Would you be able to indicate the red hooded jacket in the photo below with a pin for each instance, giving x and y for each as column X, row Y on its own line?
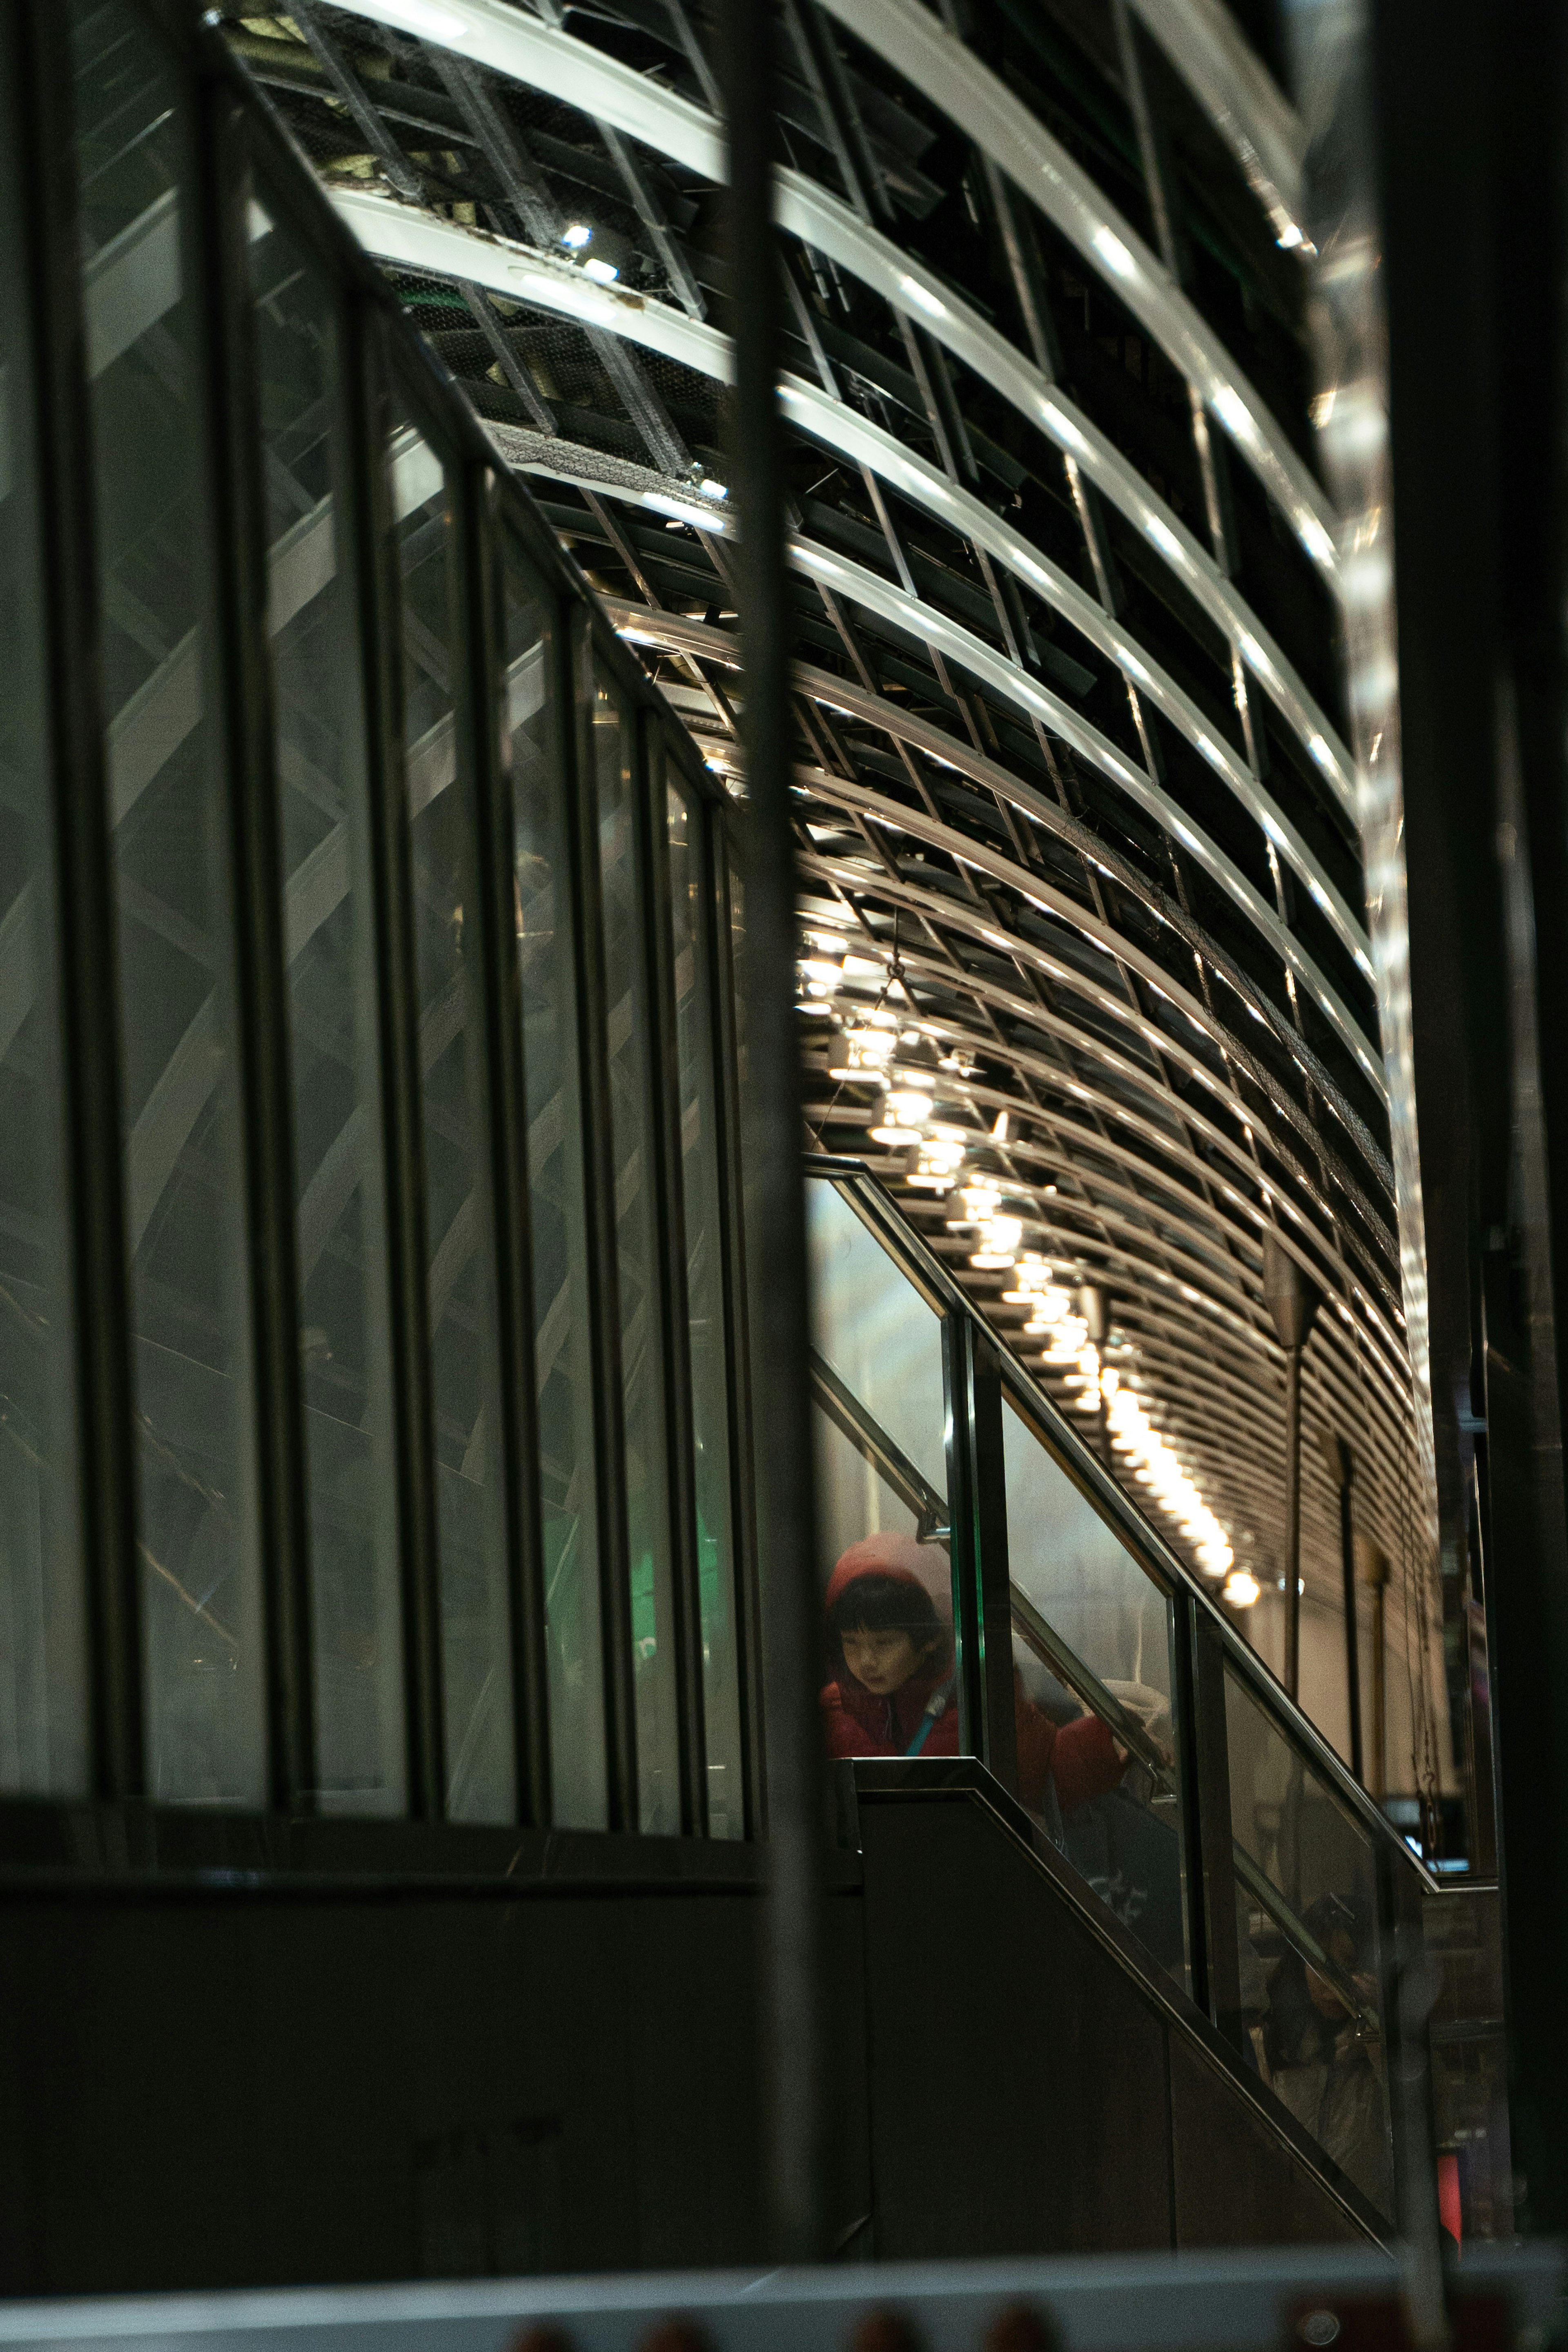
column 1079, row 1756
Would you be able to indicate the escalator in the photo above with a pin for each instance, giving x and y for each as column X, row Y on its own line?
column 1180, row 1971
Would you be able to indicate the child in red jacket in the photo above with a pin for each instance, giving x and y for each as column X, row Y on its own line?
column 893, row 1695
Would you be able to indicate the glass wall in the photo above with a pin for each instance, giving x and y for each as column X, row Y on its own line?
column 335, row 1064
column 164, row 688
column 562, row 1333
column 1309, row 1946
column 461, row 1305
column 888, row 1638
column 625, row 888
column 1092, row 1650
column 43, row 1662
column 316, row 639
column 702, row 1169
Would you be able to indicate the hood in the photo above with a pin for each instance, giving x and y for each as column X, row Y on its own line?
column 894, row 1556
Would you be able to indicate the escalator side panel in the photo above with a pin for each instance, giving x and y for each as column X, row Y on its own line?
column 1034, row 2088
column 1019, row 2099
column 1234, row 2184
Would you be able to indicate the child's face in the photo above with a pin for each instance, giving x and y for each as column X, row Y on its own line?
column 884, row 1662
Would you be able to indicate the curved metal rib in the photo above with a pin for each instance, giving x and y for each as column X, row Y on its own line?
column 822, row 221
column 936, row 63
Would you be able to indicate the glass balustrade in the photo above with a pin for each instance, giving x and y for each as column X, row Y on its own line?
column 1092, row 1639
column 1103, row 1628
column 889, row 1642
column 1309, row 1946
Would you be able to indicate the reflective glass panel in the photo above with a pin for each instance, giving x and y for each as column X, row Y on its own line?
column 1309, row 1948
column 313, row 623
column 1091, row 1651
column 692, row 940
column 475, row 1637
column 880, row 1422
column 627, row 1010
column 185, row 1188
column 563, row 1344
column 43, row 1688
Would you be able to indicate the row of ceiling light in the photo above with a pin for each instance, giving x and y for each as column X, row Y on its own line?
column 865, row 1051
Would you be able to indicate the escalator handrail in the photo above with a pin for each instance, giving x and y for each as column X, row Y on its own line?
column 1085, row 1685
column 1291, row 1925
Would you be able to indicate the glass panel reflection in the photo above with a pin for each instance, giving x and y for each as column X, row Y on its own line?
column 329, row 940
column 43, row 1687
column 627, row 1013
column 564, row 1360
column 465, row 1347
column 1092, row 1646
column 185, row 1188
column 692, row 945
column 1311, row 1959
column 879, row 1424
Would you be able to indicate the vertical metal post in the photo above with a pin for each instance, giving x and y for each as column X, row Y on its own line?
column 674, row 1308
column 603, row 1277
column 1207, row 1775
column 797, row 1776
column 1194, row 1908
column 1342, row 1470
column 1094, row 1306
column 977, row 1513
column 1374, row 1575
column 1293, row 1304
column 994, row 1577
column 729, row 1073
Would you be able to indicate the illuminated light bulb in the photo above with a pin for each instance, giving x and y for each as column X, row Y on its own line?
column 905, row 1108
column 1241, row 1590
column 863, row 1054
column 603, row 273
column 575, row 237
column 895, row 1138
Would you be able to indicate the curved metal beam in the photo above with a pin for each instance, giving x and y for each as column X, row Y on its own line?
column 951, row 640
column 842, row 428
column 676, row 632
column 541, row 57
column 948, row 913
column 959, row 644
column 948, row 75
column 671, row 125
column 1241, row 99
